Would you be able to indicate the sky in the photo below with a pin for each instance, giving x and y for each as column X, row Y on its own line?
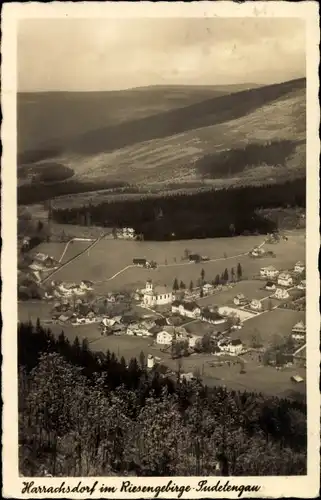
column 111, row 54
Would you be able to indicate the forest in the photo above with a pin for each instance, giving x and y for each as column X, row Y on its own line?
column 90, row 414
column 221, row 213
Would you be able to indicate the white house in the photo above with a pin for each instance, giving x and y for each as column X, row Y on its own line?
column 269, row 272
column 233, row 347
column 207, row 288
column 240, row 299
column 157, row 295
column 270, row 285
column 299, row 328
column 281, row 294
column 285, row 279
column 256, row 305
column 299, row 267
column 165, row 337
column 188, row 309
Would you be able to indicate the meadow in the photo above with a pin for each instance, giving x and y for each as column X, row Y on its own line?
column 270, row 325
column 109, row 257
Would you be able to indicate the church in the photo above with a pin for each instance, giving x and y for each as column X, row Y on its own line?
column 157, row 295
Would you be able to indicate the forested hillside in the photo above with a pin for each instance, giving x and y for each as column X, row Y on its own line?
column 88, row 414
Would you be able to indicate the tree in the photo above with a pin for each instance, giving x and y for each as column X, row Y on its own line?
column 206, row 343
column 186, row 253
column 232, row 229
column 39, row 226
column 239, row 271
column 222, row 279
column 191, row 286
column 226, row 275
column 270, row 305
column 202, row 275
column 225, row 255
column 179, row 348
column 175, row 285
column 201, row 293
column 142, row 360
column 182, row 285
column 256, row 339
column 217, row 280
column 232, row 274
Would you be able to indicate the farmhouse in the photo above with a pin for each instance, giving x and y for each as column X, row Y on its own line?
column 269, row 272
column 270, row 285
column 165, row 337
column 189, row 309
column 207, row 288
column 299, row 267
column 240, row 300
column 281, row 294
column 193, row 340
column 256, row 305
column 233, row 347
column 212, row 317
column 297, row 379
column 188, row 377
column 156, row 296
column 140, row 262
column 285, row 279
column 299, row 331
column 194, row 257
column 127, row 233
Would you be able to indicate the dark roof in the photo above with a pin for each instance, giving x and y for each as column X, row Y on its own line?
column 211, row 315
column 176, row 303
column 269, row 283
column 236, row 342
column 193, row 256
column 190, row 306
column 160, row 321
column 138, row 261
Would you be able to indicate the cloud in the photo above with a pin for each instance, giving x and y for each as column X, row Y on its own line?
column 77, row 54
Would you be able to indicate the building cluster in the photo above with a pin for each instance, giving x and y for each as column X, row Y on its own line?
column 281, row 282
column 43, row 262
column 125, row 233
column 62, row 289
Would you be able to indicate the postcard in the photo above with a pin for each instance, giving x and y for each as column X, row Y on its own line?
column 160, row 230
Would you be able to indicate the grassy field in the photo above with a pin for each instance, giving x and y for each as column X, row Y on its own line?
column 111, row 256
column 270, row 324
column 252, row 289
column 161, row 140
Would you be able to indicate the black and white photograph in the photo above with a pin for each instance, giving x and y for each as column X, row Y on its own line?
column 162, row 249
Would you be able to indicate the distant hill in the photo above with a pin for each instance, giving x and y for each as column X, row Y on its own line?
column 236, row 138
column 46, row 116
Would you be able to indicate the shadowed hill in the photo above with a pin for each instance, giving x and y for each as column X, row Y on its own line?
column 55, row 116
column 201, row 114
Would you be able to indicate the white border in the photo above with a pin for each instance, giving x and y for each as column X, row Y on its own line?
column 276, row 487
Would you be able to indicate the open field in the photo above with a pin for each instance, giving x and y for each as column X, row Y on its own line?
column 109, row 257
column 56, row 250
column 269, row 324
column 252, row 289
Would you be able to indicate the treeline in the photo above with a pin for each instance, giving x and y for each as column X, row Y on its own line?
column 201, row 215
column 85, row 414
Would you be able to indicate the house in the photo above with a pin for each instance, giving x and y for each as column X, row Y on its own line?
column 188, row 377
column 240, row 300
column 297, row 379
column 157, row 295
column 299, row 331
column 302, row 285
column 269, row 272
column 165, row 337
column 188, row 309
column 193, row 340
column 270, row 285
column 212, row 317
column 194, row 257
column 86, row 285
column 285, row 279
column 257, row 252
column 140, row 262
column 256, row 305
column 233, row 347
column 208, row 288
column 281, row 294
column 299, row 267
column 150, row 361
